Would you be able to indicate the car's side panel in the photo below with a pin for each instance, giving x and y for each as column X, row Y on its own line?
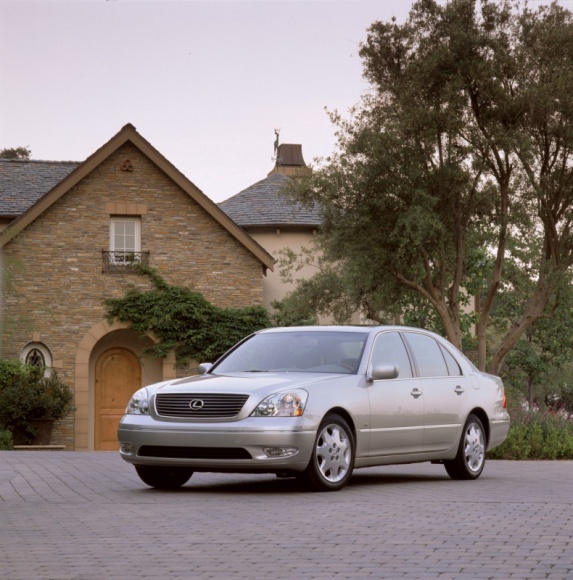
column 351, row 395
column 397, row 417
column 486, row 392
column 444, row 411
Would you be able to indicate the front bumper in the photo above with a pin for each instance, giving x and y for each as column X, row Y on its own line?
column 138, row 433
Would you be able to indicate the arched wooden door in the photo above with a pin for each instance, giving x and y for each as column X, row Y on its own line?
column 117, row 377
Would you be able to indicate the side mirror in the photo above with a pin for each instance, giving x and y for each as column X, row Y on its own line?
column 384, row 371
column 204, row 368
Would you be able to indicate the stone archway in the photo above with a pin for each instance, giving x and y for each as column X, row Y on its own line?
column 88, row 351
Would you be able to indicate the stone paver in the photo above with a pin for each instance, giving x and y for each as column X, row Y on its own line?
column 86, row 516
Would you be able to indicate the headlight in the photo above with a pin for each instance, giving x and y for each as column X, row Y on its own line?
column 138, row 404
column 286, row 404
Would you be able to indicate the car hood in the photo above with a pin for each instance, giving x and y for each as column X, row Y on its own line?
column 263, row 383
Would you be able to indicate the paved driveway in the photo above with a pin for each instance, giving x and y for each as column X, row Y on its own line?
column 66, row 515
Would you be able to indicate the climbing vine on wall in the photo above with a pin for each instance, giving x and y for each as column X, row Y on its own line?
column 183, row 320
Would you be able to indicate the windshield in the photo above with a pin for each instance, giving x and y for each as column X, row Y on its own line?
column 313, row 352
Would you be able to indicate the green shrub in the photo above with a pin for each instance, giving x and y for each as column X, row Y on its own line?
column 26, row 394
column 537, row 435
column 6, row 441
column 10, row 372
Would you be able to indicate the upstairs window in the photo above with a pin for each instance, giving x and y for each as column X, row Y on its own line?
column 125, row 240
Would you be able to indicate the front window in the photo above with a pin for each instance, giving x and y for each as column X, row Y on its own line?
column 389, row 349
column 296, row 351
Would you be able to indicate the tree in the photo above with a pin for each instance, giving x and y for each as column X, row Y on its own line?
column 15, row 153
column 539, row 367
column 456, row 166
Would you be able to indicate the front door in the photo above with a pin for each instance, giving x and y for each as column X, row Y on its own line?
column 397, row 405
column 117, row 377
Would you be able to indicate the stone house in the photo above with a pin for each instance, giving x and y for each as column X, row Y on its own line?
column 68, row 232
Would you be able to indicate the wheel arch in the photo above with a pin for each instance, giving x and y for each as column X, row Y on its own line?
column 482, row 416
column 340, row 411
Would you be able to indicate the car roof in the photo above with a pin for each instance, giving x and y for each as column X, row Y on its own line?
column 340, row 328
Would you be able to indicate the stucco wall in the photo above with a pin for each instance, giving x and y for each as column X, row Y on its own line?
column 274, row 241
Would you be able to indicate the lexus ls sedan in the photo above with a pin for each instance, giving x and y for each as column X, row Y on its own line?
column 316, row 403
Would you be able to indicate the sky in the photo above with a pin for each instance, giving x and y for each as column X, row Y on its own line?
column 206, row 82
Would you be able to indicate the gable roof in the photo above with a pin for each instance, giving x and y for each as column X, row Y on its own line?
column 129, row 134
column 264, row 205
column 24, row 181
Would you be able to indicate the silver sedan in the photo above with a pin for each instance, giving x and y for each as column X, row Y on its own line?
column 316, row 403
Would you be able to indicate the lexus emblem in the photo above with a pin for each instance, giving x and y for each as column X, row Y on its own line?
column 196, row 404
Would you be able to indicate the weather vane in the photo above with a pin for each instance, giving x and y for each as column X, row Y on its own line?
column 275, row 158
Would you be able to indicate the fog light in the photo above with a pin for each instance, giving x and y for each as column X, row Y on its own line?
column 125, row 448
column 280, row 451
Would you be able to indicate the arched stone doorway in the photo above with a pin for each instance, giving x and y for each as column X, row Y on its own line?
column 117, row 377
column 100, row 339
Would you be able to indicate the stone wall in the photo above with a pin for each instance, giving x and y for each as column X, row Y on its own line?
column 54, row 287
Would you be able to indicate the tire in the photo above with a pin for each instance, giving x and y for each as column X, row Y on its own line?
column 163, row 477
column 332, row 459
column 470, row 459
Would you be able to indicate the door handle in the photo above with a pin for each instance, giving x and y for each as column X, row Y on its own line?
column 416, row 393
column 459, row 390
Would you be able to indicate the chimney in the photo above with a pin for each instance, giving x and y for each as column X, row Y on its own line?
column 289, row 160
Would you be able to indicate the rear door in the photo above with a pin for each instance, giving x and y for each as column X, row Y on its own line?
column 444, row 391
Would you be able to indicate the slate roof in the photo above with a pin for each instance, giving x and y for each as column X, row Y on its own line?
column 24, row 181
column 263, row 205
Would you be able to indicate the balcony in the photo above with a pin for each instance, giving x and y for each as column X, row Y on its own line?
column 123, row 261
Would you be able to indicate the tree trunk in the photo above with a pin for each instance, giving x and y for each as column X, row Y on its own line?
column 533, row 311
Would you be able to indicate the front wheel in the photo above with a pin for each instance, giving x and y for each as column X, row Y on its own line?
column 470, row 460
column 162, row 477
column 332, row 460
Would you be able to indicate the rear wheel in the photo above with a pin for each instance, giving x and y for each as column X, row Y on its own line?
column 332, row 460
column 163, row 477
column 470, row 460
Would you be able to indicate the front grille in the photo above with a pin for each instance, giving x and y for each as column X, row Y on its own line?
column 199, row 405
column 193, row 452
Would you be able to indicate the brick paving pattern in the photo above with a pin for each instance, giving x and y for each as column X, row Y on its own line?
column 86, row 516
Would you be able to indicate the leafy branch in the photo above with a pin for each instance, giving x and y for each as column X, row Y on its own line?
column 183, row 320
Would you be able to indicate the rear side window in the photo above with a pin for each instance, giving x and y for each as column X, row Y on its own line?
column 389, row 348
column 453, row 366
column 428, row 355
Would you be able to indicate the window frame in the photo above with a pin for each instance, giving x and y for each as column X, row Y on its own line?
column 44, row 351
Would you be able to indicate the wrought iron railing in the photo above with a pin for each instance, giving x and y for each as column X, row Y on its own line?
column 123, row 261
